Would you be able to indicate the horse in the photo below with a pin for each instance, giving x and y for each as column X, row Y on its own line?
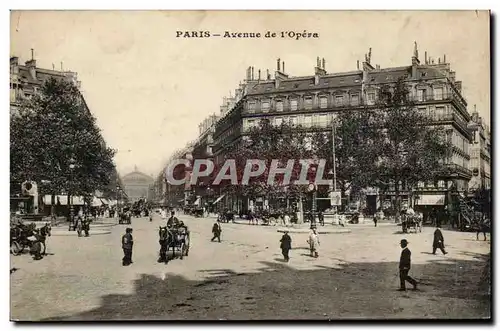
column 482, row 226
column 166, row 239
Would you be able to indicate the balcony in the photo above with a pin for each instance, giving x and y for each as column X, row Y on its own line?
column 458, row 170
column 447, row 96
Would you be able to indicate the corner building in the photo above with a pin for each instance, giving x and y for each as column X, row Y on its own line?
column 313, row 101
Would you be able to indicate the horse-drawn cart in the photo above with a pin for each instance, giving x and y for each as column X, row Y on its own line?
column 175, row 238
column 412, row 223
column 28, row 236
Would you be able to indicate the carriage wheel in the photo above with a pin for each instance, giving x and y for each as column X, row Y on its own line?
column 16, row 248
column 181, row 250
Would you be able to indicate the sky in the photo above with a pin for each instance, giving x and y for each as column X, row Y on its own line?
column 149, row 90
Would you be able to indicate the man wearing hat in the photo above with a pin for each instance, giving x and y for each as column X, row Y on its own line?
column 127, row 244
column 404, row 267
column 286, row 245
column 313, row 242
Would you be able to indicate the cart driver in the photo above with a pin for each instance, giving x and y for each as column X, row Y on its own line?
column 172, row 221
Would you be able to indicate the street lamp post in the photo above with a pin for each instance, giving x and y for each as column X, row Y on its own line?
column 70, row 205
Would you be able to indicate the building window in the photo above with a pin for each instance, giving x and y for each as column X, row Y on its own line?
column 251, row 123
column 293, row 120
column 355, row 99
column 339, row 100
column 440, row 113
column 323, row 102
column 265, row 105
column 278, row 121
column 421, row 95
column 323, row 119
column 308, row 102
column 293, row 104
column 279, row 105
column 371, row 98
column 308, row 121
column 438, row 93
column 251, row 106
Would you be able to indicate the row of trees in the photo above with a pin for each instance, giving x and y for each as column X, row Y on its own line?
column 391, row 144
column 55, row 141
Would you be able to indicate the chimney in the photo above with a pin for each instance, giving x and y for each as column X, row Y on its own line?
column 378, row 66
column 414, row 59
column 268, row 74
column 319, row 70
column 252, row 74
column 444, row 58
column 31, row 64
column 439, row 60
column 323, row 63
column 14, row 61
column 357, row 64
column 278, row 61
column 259, row 74
column 53, row 67
column 283, row 66
column 425, row 58
column 249, row 74
column 62, row 66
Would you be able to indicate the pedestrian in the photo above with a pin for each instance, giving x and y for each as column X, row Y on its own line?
column 127, row 244
column 321, row 218
column 404, row 267
column 216, row 230
column 438, row 241
column 313, row 242
column 150, row 213
column 286, row 219
column 286, row 246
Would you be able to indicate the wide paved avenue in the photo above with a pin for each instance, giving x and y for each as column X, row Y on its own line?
column 244, row 276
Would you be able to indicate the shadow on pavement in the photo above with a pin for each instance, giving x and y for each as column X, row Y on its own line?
column 451, row 289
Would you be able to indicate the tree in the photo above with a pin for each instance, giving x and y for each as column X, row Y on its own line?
column 355, row 149
column 411, row 147
column 269, row 142
column 53, row 130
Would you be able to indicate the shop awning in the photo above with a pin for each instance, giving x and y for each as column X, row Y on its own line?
column 431, row 200
column 219, row 199
column 96, row 202
column 63, row 200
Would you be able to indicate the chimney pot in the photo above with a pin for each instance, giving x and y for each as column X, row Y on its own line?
column 425, row 58
column 323, row 63
column 444, row 58
column 357, row 64
column 259, row 74
column 283, row 66
column 278, row 64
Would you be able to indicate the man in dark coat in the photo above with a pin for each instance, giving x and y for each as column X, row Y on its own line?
column 404, row 267
column 438, row 241
column 127, row 244
column 286, row 245
column 172, row 221
column 216, row 230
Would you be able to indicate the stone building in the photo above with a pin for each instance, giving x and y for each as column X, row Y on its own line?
column 312, row 101
column 26, row 80
column 137, row 185
column 480, row 153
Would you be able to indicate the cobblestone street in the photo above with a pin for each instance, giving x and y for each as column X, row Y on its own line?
column 244, row 277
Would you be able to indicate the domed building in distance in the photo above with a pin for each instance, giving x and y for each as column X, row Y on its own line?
column 137, row 185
